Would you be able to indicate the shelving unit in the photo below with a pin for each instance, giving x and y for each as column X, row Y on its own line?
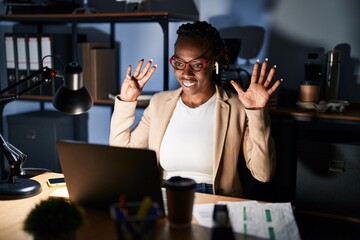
column 39, row 20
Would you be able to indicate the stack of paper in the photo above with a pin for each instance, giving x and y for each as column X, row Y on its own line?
column 251, row 218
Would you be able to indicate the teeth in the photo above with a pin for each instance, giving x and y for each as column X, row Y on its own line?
column 188, row 84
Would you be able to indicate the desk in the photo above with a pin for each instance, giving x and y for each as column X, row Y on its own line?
column 318, row 159
column 99, row 224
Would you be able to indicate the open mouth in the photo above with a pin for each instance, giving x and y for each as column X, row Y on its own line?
column 188, row 83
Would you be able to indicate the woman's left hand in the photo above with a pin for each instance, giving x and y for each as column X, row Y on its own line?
column 260, row 90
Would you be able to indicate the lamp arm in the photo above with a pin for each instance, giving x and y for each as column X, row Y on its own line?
column 14, row 156
column 48, row 75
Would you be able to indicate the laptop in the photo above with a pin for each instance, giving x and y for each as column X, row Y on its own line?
column 96, row 175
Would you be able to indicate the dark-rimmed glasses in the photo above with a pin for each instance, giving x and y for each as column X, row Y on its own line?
column 197, row 64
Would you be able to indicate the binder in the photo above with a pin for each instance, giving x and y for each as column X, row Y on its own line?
column 21, row 61
column 10, row 60
column 103, row 72
column 33, row 65
column 46, row 61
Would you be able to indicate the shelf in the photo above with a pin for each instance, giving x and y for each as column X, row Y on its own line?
column 351, row 114
column 143, row 103
column 98, row 17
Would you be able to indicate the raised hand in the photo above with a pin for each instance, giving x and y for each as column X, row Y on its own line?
column 133, row 84
column 260, row 89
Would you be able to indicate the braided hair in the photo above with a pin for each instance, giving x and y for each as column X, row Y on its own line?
column 211, row 35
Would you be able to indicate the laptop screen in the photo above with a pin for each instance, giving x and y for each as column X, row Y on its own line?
column 97, row 175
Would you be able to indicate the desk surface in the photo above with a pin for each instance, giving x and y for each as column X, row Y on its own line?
column 99, row 224
column 300, row 114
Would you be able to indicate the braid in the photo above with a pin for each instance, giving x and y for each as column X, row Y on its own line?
column 210, row 34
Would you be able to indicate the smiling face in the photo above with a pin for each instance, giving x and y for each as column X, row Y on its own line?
column 195, row 83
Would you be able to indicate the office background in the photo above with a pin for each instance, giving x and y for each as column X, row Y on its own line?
column 292, row 27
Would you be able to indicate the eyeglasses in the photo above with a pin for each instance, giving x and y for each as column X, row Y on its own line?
column 197, row 65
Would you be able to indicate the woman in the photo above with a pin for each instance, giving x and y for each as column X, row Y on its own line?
column 199, row 130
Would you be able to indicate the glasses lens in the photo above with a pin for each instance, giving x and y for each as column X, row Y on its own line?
column 177, row 63
column 197, row 65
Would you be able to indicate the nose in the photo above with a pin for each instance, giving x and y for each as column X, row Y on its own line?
column 188, row 70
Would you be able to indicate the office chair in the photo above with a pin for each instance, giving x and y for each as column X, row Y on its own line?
column 242, row 42
column 252, row 39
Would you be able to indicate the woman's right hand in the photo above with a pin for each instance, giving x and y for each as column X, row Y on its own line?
column 133, row 84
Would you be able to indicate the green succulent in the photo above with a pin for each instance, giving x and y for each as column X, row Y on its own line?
column 54, row 217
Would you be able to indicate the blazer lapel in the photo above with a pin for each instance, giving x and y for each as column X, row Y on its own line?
column 222, row 122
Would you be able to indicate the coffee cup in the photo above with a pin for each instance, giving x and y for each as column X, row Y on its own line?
column 180, row 200
column 309, row 91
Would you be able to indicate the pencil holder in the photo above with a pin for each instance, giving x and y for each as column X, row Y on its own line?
column 132, row 225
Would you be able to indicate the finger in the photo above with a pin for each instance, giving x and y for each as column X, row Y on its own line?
column 275, row 86
column 254, row 75
column 138, row 68
column 145, row 69
column 128, row 71
column 270, row 76
column 147, row 76
column 237, row 87
column 263, row 71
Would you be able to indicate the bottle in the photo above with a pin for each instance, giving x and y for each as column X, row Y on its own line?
column 310, row 87
column 313, row 68
column 332, row 75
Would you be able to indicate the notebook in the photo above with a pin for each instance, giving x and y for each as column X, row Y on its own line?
column 96, row 175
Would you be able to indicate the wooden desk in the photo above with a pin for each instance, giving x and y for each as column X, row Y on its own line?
column 99, row 225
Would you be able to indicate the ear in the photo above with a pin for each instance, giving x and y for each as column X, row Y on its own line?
column 217, row 68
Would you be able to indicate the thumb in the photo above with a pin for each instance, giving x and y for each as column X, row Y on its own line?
column 237, row 87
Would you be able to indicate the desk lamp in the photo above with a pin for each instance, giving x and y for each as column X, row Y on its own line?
column 71, row 98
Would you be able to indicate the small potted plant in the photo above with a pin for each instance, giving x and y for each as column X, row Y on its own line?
column 54, row 218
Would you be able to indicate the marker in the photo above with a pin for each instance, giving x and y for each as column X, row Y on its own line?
column 122, row 203
column 144, row 208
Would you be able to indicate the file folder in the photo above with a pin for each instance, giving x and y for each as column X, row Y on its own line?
column 34, row 61
column 10, row 60
column 46, row 61
column 21, row 60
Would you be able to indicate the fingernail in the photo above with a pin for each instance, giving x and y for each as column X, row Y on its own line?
column 266, row 59
column 142, row 60
column 151, row 60
column 155, row 65
column 257, row 60
column 274, row 66
column 281, row 79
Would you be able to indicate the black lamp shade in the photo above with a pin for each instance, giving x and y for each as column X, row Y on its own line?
column 72, row 102
column 72, row 97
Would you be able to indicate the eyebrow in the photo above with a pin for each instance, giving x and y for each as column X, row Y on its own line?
column 196, row 57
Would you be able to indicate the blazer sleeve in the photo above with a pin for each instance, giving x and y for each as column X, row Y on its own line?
column 259, row 147
column 122, row 120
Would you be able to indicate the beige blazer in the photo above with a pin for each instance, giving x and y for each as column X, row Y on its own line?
column 236, row 128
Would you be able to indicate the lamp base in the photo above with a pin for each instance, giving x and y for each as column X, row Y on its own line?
column 21, row 188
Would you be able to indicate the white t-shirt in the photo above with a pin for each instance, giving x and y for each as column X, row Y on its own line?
column 187, row 149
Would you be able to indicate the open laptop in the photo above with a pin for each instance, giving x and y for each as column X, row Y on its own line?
column 96, row 175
